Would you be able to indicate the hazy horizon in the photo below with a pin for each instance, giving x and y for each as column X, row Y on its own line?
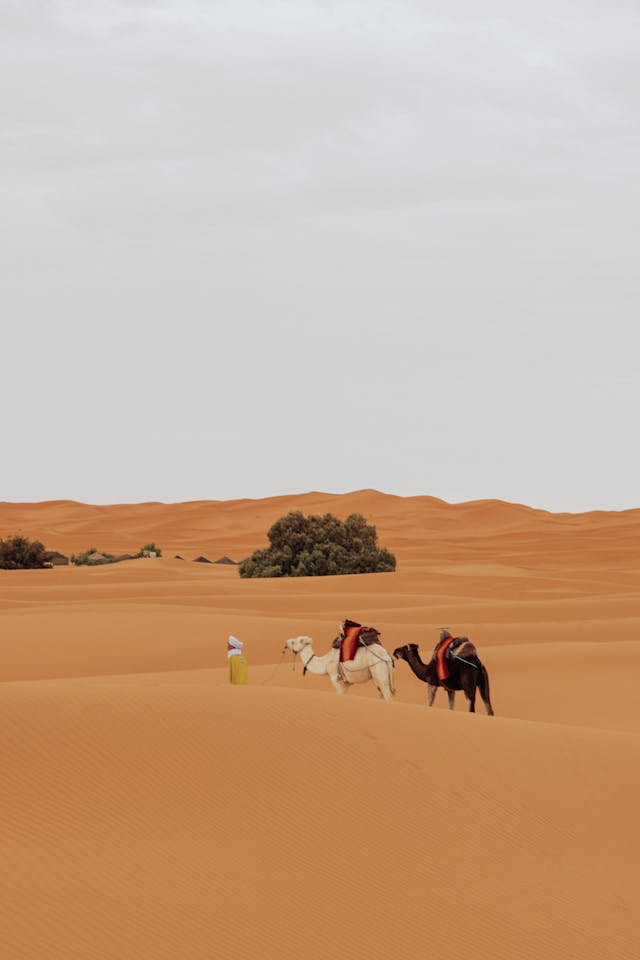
column 256, row 247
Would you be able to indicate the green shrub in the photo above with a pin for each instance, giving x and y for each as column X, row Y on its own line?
column 84, row 559
column 319, row 546
column 151, row 548
column 20, row 553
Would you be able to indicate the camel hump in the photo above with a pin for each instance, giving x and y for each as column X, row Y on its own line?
column 465, row 648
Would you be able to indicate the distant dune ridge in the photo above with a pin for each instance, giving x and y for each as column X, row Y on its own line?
column 241, row 525
column 151, row 810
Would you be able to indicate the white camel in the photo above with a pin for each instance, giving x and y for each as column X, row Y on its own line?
column 370, row 663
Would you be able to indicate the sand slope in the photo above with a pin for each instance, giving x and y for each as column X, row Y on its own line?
column 150, row 810
column 155, row 819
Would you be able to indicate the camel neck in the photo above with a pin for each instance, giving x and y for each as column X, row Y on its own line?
column 311, row 662
column 416, row 664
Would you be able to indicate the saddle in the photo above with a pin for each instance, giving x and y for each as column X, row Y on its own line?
column 445, row 650
column 354, row 635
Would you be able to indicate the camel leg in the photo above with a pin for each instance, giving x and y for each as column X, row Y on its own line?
column 381, row 676
column 470, row 694
column 431, row 692
column 452, row 699
column 483, row 683
column 340, row 685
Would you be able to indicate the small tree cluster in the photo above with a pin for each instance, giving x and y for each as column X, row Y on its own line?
column 95, row 558
column 91, row 558
column 319, row 546
column 149, row 548
column 20, row 553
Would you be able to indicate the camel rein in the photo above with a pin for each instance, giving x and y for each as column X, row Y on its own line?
column 454, row 656
column 293, row 662
column 312, row 657
column 275, row 669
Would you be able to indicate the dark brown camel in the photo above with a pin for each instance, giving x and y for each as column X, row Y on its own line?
column 466, row 673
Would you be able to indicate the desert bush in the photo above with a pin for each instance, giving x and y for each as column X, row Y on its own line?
column 319, row 546
column 20, row 553
column 151, row 548
column 84, row 559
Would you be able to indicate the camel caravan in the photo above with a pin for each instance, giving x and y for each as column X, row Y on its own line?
column 357, row 656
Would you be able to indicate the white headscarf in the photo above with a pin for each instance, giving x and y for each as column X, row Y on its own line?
column 235, row 647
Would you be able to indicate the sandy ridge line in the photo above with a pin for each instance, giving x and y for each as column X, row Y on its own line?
column 129, row 688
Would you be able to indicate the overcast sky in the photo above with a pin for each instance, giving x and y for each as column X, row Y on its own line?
column 251, row 248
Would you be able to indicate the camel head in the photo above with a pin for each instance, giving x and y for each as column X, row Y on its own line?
column 402, row 653
column 296, row 644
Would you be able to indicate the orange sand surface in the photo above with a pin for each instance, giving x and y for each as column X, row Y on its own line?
column 150, row 810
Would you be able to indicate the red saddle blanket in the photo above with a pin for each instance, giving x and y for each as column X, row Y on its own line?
column 441, row 653
column 349, row 643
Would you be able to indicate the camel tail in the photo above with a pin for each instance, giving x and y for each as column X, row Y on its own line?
column 483, row 684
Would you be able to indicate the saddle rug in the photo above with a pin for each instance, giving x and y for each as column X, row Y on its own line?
column 442, row 650
column 350, row 643
column 354, row 635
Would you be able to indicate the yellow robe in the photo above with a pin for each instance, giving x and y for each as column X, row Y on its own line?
column 238, row 670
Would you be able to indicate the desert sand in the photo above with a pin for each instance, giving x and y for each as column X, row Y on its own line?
column 150, row 810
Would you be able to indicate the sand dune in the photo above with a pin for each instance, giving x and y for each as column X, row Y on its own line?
column 162, row 819
column 150, row 810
